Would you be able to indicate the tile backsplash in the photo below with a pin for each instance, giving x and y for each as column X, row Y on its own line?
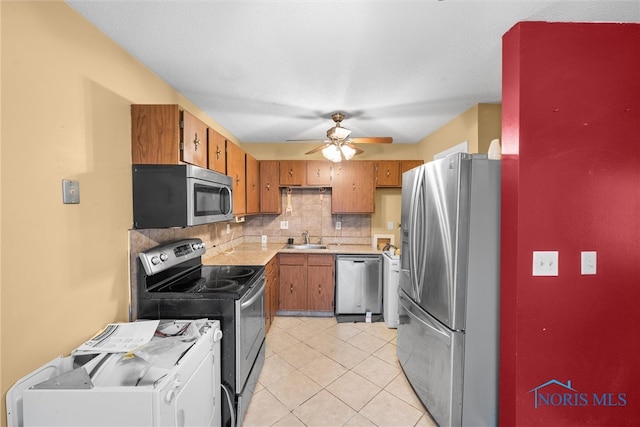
column 310, row 210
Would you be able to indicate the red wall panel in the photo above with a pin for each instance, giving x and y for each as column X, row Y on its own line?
column 571, row 183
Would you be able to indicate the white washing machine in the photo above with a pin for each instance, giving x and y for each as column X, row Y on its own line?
column 390, row 282
column 174, row 380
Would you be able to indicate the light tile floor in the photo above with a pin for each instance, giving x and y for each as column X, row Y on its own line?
column 319, row 372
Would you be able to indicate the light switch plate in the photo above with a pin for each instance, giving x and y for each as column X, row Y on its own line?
column 70, row 191
column 338, row 225
column 588, row 262
column 545, row 263
column 284, row 225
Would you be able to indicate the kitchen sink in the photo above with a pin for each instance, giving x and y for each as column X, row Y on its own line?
column 306, row 246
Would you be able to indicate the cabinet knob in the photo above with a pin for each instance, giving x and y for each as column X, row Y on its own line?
column 353, row 186
column 319, row 288
column 196, row 141
column 291, row 288
column 291, row 172
column 318, row 173
column 268, row 186
column 388, row 173
column 218, row 152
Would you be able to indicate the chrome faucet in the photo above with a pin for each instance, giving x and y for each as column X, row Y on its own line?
column 305, row 234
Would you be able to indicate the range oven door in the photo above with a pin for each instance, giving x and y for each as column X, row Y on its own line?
column 250, row 330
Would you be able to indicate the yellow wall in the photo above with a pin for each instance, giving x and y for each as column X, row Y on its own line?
column 478, row 125
column 66, row 95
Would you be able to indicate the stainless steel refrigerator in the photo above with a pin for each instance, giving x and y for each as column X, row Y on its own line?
column 449, row 287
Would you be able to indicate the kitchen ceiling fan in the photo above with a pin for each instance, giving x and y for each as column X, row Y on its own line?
column 339, row 146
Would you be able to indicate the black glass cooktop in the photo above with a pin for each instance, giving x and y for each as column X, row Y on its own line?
column 214, row 279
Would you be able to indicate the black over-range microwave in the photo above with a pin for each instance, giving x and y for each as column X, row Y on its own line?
column 179, row 196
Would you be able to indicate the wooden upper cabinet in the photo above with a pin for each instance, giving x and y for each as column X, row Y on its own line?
column 194, row 140
column 164, row 134
column 353, row 188
column 217, row 151
column 387, row 173
column 270, row 202
column 292, row 172
column 406, row 165
column 252, row 185
column 319, row 173
column 236, row 169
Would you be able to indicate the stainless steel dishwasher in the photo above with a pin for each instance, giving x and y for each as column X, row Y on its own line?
column 358, row 284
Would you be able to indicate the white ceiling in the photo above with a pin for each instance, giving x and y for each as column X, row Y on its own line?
column 271, row 71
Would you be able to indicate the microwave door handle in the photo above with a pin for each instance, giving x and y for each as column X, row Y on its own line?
column 228, row 190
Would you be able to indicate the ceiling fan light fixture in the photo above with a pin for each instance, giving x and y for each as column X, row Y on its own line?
column 331, row 152
column 347, row 152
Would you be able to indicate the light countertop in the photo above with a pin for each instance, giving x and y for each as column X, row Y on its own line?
column 258, row 254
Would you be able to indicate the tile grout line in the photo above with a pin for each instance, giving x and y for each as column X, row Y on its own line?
column 368, row 354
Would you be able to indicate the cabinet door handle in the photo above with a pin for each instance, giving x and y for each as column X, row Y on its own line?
column 268, row 186
column 291, row 287
column 388, row 173
column 291, row 173
column 353, row 186
column 318, row 173
column 218, row 152
column 319, row 288
column 196, row 141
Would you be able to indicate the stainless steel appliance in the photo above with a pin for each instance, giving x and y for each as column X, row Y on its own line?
column 390, row 284
column 179, row 196
column 358, row 284
column 178, row 384
column 173, row 283
column 449, row 280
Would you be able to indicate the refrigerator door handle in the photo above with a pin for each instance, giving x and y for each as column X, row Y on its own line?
column 416, row 254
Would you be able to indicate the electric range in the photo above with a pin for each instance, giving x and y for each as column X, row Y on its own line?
column 173, row 284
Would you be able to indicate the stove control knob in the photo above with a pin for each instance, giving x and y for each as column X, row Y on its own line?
column 155, row 260
column 163, row 257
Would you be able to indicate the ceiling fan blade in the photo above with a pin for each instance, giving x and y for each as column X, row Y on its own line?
column 315, row 150
column 307, row 140
column 372, row 140
column 358, row 151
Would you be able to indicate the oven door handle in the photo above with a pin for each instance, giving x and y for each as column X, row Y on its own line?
column 257, row 295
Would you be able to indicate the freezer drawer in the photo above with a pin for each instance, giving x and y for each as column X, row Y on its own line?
column 358, row 284
column 431, row 356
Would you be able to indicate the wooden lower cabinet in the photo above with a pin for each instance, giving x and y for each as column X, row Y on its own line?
column 271, row 292
column 306, row 282
column 320, row 282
